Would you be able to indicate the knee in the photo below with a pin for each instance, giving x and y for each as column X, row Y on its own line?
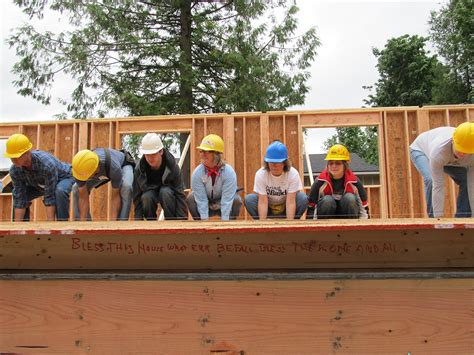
column 146, row 199
column 166, row 194
column 327, row 201
column 251, row 199
column 349, row 198
column 237, row 201
column 62, row 191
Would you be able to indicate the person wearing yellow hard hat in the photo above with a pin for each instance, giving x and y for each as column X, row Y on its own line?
column 446, row 150
column 277, row 187
column 158, row 180
column 338, row 192
column 213, row 183
column 93, row 168
column 36, row 173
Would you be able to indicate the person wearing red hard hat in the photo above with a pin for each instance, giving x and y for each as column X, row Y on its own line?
column 36, row 173
column 277, row 187
column 446, row 150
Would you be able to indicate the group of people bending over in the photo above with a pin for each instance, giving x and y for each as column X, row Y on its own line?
column 278, row 191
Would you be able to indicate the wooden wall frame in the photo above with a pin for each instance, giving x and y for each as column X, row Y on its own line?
column 246, row 136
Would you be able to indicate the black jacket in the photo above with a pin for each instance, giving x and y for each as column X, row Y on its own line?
column 171, row 178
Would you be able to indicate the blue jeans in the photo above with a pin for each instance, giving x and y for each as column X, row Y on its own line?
column 346, row 207
column 457, row 173
column 251, row 204
column 126, row 194
column 193, row 208
column 63, row 191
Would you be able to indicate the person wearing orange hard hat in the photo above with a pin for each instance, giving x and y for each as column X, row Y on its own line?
column 36, row 173
column 213, row 183
column 338, row 192
column 446, row 150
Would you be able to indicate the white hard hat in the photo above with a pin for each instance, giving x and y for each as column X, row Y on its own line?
column 151, row 144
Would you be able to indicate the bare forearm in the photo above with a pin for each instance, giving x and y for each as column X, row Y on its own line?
column 291, row 205
column 262, row 207
column 19, row 214
column 51, row 213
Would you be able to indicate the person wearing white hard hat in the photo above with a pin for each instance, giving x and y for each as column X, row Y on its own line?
column 446, row 150
column 158, row 179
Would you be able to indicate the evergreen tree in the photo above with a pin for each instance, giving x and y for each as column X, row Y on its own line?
column 166, row 57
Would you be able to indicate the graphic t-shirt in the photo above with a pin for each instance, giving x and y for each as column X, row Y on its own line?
column 277, row 187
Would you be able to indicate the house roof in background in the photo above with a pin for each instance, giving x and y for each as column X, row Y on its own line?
column 357, row 165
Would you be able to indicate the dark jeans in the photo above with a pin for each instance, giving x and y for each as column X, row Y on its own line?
column 165, row 197
column 346, row 207
column 193, row 209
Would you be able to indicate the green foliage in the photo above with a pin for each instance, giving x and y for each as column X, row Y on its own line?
column 180, row 56
column 406, row 73
column 360, row 140
column 452, row 32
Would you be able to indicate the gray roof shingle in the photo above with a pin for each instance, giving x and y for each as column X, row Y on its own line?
column 357, row 165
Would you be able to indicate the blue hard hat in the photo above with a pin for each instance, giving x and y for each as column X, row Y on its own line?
column 276, row 153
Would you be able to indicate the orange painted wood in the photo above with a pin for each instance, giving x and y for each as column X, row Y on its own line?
column 247, row 317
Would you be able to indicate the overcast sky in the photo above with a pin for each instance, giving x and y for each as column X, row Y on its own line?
column 348, row 31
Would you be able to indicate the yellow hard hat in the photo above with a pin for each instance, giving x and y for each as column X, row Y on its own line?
column 463, row 138
column 338, row 152
column 212, row 142
column 17, row 145
column 84, row 164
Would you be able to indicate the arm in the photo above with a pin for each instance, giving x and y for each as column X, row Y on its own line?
column 177, row 185
column 229, row 188
column 19, row 214
column 364, row 204
column 51, row 213
column 83, row 202
column 137, row 195
column 262, row 206
column 116, row 204
column 290, row 205
column 200, row 195
column 470, row 188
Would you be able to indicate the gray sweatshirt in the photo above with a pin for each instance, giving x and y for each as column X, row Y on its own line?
column 437, row 145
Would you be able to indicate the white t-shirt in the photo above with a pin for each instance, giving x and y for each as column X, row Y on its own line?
column 277, row 187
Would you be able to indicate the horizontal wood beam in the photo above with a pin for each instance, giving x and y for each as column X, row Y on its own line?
column 238, row 245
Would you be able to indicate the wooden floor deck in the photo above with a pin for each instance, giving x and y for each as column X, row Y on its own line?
column 272, row 287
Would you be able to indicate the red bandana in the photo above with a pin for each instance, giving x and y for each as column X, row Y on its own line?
column 213, row 172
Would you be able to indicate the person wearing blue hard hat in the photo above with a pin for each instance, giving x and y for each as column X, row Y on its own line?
column 277, row 187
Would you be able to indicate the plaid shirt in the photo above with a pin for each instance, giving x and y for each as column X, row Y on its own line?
column 45, row 173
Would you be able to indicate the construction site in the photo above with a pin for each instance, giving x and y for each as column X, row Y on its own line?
column 398, row 283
